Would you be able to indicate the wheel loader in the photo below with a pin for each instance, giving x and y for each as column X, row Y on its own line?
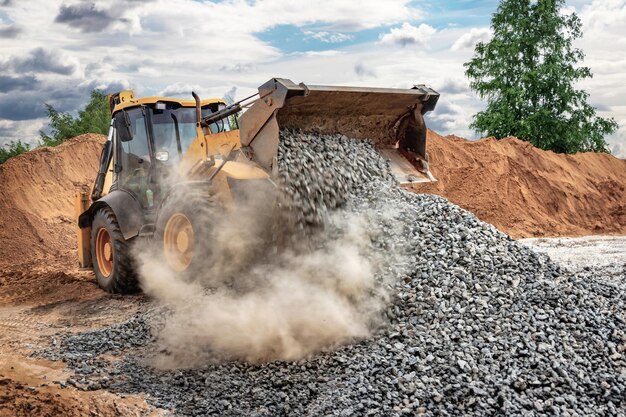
column 168, row 162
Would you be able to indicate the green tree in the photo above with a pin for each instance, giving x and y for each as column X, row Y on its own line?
column 12, row 149
column 94, row 118
column 527, row 73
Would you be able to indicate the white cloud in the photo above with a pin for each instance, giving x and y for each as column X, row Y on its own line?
column 619, row 150
column 235, row 16
column 408, row 34
column 603, row 14
column 162, row 43
column 180, row 90
column 604, row 35
column 25, row 130
column 329, row 37
column 470, row 39
column 364, row 71
column 450, row 116
column 329, row 52
column 456, row 85
column 617, row 141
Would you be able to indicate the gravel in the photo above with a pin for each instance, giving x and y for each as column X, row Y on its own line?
column 478, row 324
column 319, row 176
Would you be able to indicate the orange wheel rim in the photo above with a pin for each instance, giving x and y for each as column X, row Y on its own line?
column 104, row 252
column 179, row 242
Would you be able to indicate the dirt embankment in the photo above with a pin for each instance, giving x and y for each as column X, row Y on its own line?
column 528, row 192
column 37, row 201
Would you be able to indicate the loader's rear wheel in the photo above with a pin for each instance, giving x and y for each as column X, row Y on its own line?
column 104, row 252
column 183, row 228
column 110, row 253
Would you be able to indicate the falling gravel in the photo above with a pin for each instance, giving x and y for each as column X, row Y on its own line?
column 477, row 323
column 319, row 176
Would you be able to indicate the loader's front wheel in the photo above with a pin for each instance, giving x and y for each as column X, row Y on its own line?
column 184, row 229
column 179, row 241
column 110, row 253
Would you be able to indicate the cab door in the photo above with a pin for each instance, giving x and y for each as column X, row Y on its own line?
column 134, row 156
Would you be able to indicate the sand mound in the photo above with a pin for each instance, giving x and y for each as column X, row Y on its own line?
column 528, row 192
column 37, row 201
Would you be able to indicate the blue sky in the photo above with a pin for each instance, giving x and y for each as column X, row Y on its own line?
column 56, row 51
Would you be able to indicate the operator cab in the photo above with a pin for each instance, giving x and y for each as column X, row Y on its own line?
column 150, row 140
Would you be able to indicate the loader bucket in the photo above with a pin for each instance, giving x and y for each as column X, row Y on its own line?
column 390, row 118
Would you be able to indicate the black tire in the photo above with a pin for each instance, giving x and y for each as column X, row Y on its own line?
column 196, row 208
column 114, row 271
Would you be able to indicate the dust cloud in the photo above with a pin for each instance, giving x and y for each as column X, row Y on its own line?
column 261, row 296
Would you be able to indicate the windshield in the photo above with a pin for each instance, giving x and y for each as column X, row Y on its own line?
column 165, row 123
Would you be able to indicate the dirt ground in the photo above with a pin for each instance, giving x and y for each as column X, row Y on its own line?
column 521, row 190
column 582, row 252
column 36, row 305
column 35, row 399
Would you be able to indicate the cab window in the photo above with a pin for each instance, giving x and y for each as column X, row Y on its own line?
column 219, row 126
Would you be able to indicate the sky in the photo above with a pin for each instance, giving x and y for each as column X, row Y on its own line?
column 57, row 51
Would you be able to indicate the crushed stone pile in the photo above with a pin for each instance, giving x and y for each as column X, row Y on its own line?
column 478, row 325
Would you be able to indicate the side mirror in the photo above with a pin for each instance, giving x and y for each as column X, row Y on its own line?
column 124, row 127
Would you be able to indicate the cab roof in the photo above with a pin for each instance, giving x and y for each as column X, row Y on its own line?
column 127, row 100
